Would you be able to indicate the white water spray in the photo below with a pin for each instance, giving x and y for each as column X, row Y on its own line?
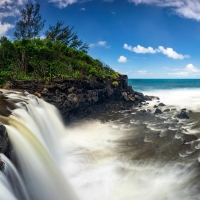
column 94, row 158
column 34, row 134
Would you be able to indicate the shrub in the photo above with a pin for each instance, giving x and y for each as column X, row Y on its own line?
column 115, row 84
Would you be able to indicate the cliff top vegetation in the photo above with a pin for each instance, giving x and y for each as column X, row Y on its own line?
column 60, row 54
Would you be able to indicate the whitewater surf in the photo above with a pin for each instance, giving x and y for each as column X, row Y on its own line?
column 120, row 154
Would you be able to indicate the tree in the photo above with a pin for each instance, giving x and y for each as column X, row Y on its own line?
column 65, row 35
column 30, row 23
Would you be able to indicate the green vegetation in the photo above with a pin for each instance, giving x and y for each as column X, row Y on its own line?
column 59, row 55
column 115, row 84
column 65, row 35
column 30, row 23
column 44, row 59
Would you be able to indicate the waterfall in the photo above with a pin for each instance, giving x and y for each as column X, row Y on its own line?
column 125, row 157
column 35, row 136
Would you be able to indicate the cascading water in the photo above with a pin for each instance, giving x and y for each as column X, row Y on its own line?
column 132, row 155
column 34, row 136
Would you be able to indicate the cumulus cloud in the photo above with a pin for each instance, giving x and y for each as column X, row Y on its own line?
column 63, row 3
column 4, row 28
column 9, row 8
column 140, row 49
column 189, row 71
column 184, row 8
column 99, row 44
column 169, row 52
column 122, row 59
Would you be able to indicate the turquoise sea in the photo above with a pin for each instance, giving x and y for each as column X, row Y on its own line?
column 160, row 84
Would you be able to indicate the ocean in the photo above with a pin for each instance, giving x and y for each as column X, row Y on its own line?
column 144, row 85
column 131, row 154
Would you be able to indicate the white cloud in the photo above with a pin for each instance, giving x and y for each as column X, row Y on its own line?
column 169, row 52
column 99, row 44
column 6, row 3
column 184, row 8
column 140, row 49
column 83, row 9
column 191, row 69
column 63, row 3
column 9, row 8
column 122, row 59
column 142, row 72
column 4, row 28
column 188, row 71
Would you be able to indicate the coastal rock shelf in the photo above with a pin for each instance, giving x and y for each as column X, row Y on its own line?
column 78, row 98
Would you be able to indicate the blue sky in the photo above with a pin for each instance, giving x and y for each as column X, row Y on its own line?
column 140, row 38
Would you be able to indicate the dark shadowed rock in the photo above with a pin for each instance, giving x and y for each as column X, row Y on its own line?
column 161, row 104
column 4, row 141
column 166, row 110
column 155, row 106
column 158, row 111
column 150, row 98
column 124, row 94
column 188, row 138
column 1, row 165
column 184, row 109
column 75, row 97
column 182, row 115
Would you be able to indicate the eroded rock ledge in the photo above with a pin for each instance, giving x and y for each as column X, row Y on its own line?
column 77, row 98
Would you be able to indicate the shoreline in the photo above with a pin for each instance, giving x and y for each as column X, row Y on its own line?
column 100, row 98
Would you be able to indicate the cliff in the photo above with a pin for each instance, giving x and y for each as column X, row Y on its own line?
column 78, row 98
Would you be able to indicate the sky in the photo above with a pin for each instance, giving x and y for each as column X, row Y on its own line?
column 140, row 38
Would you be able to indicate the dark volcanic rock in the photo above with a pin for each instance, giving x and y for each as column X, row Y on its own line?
column 184, row 109
column 1, row 165
column 182, row 115
column 166, row 110
column 79, row 97
column 4, row 141
column 161, row 104
column 188, row 138
column 158, row 111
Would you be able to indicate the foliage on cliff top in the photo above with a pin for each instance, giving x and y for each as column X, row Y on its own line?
column 44, row 59
column 61, row 54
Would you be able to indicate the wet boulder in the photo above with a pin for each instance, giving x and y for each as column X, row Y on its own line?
column 1, row 165
column 4, row 141
column 166, row 110
column 188, row 138
column 183, row 109
column 161, row 104
column 182, row 115
column 124, row 94
column 158, row 111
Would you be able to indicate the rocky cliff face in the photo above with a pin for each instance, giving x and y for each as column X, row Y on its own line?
column 4, row 143
column 77, row 98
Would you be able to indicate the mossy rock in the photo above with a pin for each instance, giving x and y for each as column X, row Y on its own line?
column 115, row 84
